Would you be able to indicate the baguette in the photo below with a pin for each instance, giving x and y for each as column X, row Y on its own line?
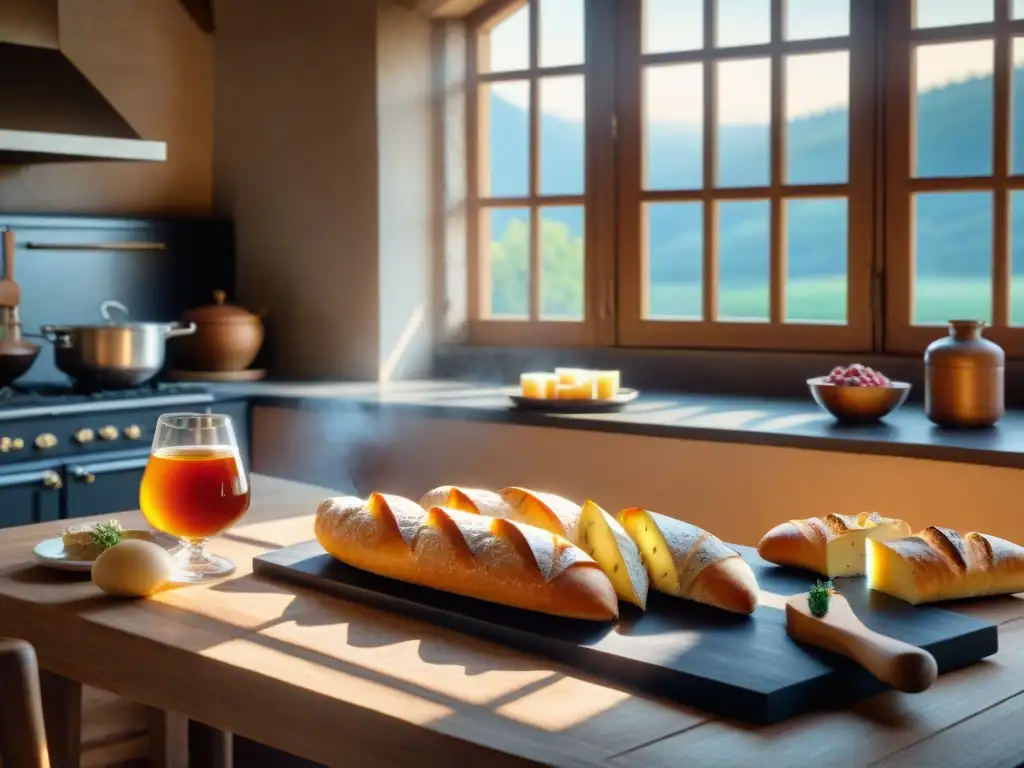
column 590, row 528
column 833, row 546
column 940, row 564
column 472, row 500
column 685, row 561
column 487, row 558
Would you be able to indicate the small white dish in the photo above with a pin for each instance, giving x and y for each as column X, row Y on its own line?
column 622, row 398
column 50, row 553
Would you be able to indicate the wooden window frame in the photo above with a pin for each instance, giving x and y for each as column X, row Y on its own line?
column 901, row 335
column 597, row 200
column 879, row 189
column 776, row 333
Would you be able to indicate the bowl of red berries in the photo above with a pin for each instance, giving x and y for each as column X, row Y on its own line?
column 858, row 394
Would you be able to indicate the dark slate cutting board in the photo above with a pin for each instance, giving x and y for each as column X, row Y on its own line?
column 742, row 667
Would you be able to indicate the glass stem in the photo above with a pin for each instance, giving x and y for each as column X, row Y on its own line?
column 192, row 553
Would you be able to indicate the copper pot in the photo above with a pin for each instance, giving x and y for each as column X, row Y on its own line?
column 227, row 338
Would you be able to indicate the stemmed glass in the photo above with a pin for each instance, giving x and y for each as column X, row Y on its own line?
column 194, row 487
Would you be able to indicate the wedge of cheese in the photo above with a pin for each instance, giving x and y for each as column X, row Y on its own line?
column 602, row 537
column 473, row 500
column 846, row 554
column 543, row 510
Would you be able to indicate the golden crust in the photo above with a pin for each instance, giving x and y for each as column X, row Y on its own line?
column 797, row 543
column 728, row 584
column 477, row 556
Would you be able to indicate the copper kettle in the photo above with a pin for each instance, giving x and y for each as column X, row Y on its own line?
column 227, row 338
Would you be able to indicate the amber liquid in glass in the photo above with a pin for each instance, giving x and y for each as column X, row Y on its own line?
column 194, row 492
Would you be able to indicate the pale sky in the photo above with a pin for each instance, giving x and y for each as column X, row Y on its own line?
column 817, row 82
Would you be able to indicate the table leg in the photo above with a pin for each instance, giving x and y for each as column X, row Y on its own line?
column 168, row 739
column 62, row 713
column 209, row 747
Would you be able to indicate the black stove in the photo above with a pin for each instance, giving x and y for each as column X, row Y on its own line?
column 20, row 401
column 29, row 395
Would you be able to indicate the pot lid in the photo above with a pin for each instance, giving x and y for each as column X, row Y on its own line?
column 219, row 312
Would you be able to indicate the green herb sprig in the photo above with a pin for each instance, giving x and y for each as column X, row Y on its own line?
column 818, row 598
column 106, row 535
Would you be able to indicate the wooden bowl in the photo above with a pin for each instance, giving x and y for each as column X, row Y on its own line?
column 858, row 405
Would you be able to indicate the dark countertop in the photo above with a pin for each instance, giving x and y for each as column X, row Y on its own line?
column 757, row 421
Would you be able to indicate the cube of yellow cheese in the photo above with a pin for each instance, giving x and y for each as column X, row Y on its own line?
column 573, row 375
column 607, row 384
column 585, row 390
column 538, row 385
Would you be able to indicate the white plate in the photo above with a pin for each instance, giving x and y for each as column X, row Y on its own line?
column 50, row 553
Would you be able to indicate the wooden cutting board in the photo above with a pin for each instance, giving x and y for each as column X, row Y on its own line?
column 742, row 667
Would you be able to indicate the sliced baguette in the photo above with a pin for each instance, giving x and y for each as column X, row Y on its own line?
column 685, row 561
column 483, row 557
column 833, row 545
column 939, row 564
column 543, row 510
column 473, row 500
column 604, row 539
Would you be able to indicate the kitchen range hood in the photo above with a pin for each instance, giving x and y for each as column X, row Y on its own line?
column 49, row 110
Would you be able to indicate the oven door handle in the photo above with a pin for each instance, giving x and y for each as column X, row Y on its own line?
column 86, row 473
column 46, row 477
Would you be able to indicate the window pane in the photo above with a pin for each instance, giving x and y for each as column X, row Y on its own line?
column 1017, row 108
column 675, row 253
column 743, row 22
column 954, row 109
column 818, row 118
column 673, row 25
column 816, row 248
column 562, row 32
column 1018, row 9
column 507, row 45
column 946, row 13
column 505, row 232
column 744, row 122
column 1017, row 257
column 506, row 164
column 953, row 257
column 561, row 135
column 813, row 19
column 744, row 260
column 674, row 127
column 562, row 263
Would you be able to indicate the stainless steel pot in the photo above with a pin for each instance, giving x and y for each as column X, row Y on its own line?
column 113, row 355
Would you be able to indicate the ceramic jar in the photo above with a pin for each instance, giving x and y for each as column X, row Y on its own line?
column 227, row 338
column 964, row 377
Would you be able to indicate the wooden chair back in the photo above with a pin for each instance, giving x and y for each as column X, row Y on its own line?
column 22, row 733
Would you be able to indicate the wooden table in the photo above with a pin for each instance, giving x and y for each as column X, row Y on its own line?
column 343, row 684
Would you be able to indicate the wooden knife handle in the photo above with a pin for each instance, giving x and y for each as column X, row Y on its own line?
column 903, row 666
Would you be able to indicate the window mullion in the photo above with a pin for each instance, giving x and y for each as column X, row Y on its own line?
column 777, row 287
column 1002, row 85
column 710, row 242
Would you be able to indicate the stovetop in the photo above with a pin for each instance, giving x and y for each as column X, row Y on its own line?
column 46, row 399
